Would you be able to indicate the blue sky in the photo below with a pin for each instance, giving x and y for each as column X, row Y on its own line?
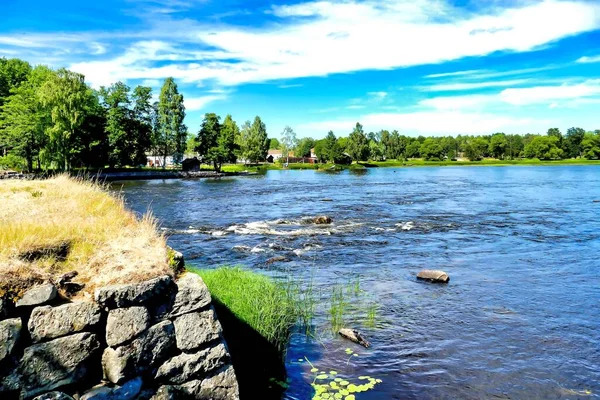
column 431, row 67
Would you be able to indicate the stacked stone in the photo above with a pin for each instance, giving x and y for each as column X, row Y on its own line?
column 157, row 339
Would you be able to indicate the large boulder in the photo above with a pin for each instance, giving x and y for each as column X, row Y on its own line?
column 145, row 352
column 121, row 296
column 433, row 276
column 38, row 295
column 10, row 332
column 127, row 391
column 168, row 392
column 123, row 324
column 192, row 294
column 195, row 329
column 51, row 322
column 53, row 396
column 53, row 364
column 185, row 367
column 220, row 386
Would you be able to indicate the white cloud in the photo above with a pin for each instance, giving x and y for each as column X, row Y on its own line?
column 343, row 37
column 455, row 73
column 586, row 59
column 446, row 87
column 199, row 103
column 549, row 94
column 378, row 95
column 459, row 102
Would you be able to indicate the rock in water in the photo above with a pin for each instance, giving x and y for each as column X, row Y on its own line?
column 10, row 331
column 51, row 322
column 104, row 391
column 354, row 335
column 38, row 295
column 323, row 220
column 433, row 276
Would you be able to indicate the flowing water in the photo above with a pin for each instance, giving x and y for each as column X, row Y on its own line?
column 520, row 318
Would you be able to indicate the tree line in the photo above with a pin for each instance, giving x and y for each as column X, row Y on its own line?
column 386, row 145
column 51, row 119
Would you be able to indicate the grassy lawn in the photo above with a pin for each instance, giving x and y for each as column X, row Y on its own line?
column 59, row 225
column 485, row 162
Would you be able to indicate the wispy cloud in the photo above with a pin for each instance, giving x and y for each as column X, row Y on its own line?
column 589, row 59
column 447, row 87
column 199, row 103
column 331, row 32
column 546, row 94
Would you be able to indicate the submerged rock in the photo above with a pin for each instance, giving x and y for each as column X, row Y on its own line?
column 38, row 295
column 436, row 276
column 273, row 260
column 354, row 335
column 52, row 322
column 10, row 332
column 323, row 220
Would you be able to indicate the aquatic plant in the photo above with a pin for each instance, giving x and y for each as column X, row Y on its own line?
column 331, row 385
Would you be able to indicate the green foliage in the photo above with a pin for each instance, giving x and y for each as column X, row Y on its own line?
column 571, row 145
column 215, row 142
column 304, row 146
column 476, row 149
column 255, row 299
column 288, row 141
column 171, row 134
column 274, row 144
column 358, row 146
column 591, row 145
column 12, row 162
column 544, row 148
column 12, row 73
column 254, row 142
column 498, row 145
column 431, row 150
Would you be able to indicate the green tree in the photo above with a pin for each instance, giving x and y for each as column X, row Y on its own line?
column 67, row 97
column 141, row 129
column 591, row 145
column 255, row 141
column 321, row 150
column 476, row 148
column 572, row 143
column 274, row 144
column 288, row 142
column 227, row 140
column 376, row 151
column 358, row 145
column 12, row 72
column 413, row 149
column 332, row 149
column 544, row 148
column 431, row 150
column 304, row 146
column 24, row 118
column 116, row 102
column 171, row 134
column 498, row 145
column 212, row 146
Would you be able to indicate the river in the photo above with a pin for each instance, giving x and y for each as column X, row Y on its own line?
column 519, row 319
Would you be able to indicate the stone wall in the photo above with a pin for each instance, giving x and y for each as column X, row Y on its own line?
column 158, row 339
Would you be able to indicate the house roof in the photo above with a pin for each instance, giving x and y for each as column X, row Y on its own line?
column 274, row 152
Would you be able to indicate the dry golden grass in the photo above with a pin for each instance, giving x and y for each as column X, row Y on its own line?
column 107, row 244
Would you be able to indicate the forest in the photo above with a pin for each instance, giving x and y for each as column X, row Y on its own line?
column 52, row 119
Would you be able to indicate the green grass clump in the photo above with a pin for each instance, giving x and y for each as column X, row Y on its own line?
column 255, row 299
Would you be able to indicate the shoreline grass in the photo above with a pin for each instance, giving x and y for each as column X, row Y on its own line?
column 62, row 224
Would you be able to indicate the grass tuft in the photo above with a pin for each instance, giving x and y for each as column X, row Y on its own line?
column 259, row 301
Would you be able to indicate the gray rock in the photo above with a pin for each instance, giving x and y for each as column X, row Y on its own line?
column 176, row 260
column 185, row 367
column 38, row 295
column 10, row 332
column 54, row 396
column 127, row 391
column 167, row 392
column 433, row 276
column 143, row 353
column 51, row 322
column 220, row 386
column 192, row 294
column 123, row 324
column 53, row 364
column 120, row 296
column 196, row 329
